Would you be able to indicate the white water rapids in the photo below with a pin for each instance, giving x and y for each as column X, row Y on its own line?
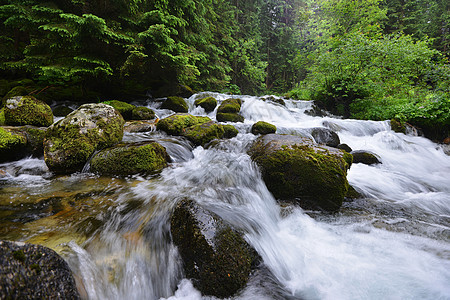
column 393, row 243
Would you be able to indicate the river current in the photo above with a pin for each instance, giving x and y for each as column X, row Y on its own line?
column 391, row 243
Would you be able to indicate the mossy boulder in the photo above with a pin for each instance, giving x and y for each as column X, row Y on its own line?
column 142, row 113
column 229, row 117
column 13, row 144
column 262, row 127
column 139, row 126
column 27, row 110
column 176, row 104
column 229, row 131
column 124, row 108
column 325, row 136
column 2, row 117
column 17, row 90
column 33, row 271
column 365, row 157
column 230, row 106
column 398, row 126
column 130, row 158
column 202, row 134
column 297, row 169
column 71, row 141
column 208, row 103
column 344, row 147
column 215, row 256
column 175, row 124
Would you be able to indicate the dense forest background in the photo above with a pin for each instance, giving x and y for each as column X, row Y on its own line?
column 369, row 59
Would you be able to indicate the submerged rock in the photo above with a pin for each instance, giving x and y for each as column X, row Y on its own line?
column 215, row 256
column 27, row 110
column 365, row 157
column 296, row 169
column 177, row 104
column 262, row 127
column 208, row 103
column 71, row 141
column 130, row 158
column 325, row 136
column 34, row 272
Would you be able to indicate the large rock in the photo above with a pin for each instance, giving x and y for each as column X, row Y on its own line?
column 325, row 136
column 13, row 144
column 262, row 127
column 297, row 169
column 27, row 110
column 228, row 111
column 131, row 158
column 177, row 104
column 34, row 272
column 198, row 130
column 71, row 141
column 142, row 113
column 208, row 103
column 215, row 256
column 365, row 157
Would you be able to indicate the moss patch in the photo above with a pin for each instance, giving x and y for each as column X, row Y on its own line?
column 229, row 131
column 177, row 104
column 262, row 127
column 27, row 110
column 124, row 108
column 12, row 144
column 142, row 113
column 176, row 124
column 208, row 103
column 201, row 134
column 230, row 106
column 126, row 159
column 229, row 117
column 2, row 117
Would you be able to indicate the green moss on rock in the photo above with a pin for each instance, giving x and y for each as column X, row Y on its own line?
column 398, row 126
column 214, row 255
column 230, row 106
column 262, row 127
column 27, row 110
column 2, row 117
column 127, row 159
column 294, row 168
column 229, row 117
column 229, row 131
column 70, row 142
column 177, row 104
column 12, row 144
column 208, row 103
column 201, row 134
column 175, row 124
column 142, row 113
column 124, row 108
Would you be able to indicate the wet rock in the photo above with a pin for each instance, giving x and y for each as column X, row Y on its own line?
column 13, row 144
column 352, row 194
column 274, row 99
column 125, row 109
column 296, row 169
column 365, row 157
column 262, row 127
column 229, row 131
column 208, row 103
column 202, row 134
column 130, row 158
column 71, row 141
column 344, row 147
column 139, row 126
column 215, row 256
column 34, row 272
column 177, row 104
column 142, row 113
column 316, row 111
column 27, row 110
column 175, row 124
column 325, row 136
column 228, row 111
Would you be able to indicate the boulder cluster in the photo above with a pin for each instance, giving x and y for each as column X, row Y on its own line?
column 308, row 171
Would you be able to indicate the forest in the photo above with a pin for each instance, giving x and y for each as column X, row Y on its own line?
column 371, row 59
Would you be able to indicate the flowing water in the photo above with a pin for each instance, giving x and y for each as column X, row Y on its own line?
column 391, row 243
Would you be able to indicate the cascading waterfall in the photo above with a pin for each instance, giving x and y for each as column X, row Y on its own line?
column 393, row 243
